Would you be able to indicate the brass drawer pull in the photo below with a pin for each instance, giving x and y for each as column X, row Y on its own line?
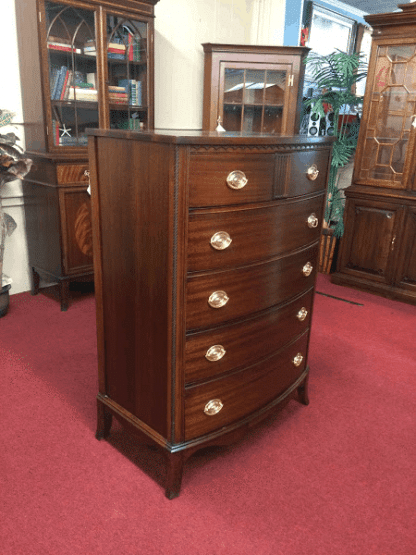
column 237, row 179
column 313, row 221
column 213, row 407
column 312, row 172
column 87, row 173
column 218, row 299
column 220, row 240
column 301, row 315
column 214, row 353
column 297, row 361
column 307, row 269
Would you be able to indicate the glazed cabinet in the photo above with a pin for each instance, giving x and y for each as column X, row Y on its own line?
column 378, row 250
column 84, row 64
column 254, row 89
column 211, row 333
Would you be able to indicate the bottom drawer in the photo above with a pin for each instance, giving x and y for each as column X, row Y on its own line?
column 244, row 392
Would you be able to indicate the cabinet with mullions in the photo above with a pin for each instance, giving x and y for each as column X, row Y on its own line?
column 253, row 89
column 84, row 64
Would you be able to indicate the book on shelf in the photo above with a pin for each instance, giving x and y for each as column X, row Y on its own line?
column 73, row 141
column 133, row 89
column 59, row 83
column 86, row 95
column 60, row 46
column 65, row 87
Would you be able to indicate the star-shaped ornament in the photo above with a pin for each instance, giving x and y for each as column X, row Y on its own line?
column 65, row 131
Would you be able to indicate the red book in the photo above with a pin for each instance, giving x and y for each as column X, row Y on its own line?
column 64, row 86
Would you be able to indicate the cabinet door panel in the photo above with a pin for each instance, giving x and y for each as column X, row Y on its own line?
column 75, row 207
column 406, row 275
column 371, row 245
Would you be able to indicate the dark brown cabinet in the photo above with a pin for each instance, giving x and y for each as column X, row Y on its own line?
column 378, row 250
column 84, row 64
column 205, row 256
column 255, row 89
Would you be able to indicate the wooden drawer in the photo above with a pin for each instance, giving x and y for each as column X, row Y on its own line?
column 246, row 342
column 249, row 289
column 256, row 234
column 208, row 178
column 243, row 392
column 298, row 181
column 72, row 173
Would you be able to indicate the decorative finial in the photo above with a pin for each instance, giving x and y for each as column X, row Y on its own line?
column 219, row 127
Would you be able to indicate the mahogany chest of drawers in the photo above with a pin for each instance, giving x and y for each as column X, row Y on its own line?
column 205, row 255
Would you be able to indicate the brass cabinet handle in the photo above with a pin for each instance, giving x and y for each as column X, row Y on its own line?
column 301, row 315
column 297, row 361
column 220, row 240
column 213, row 407
column 214, row 353
column 86, row 173
column 218, row 299
column 237, row 179
column 313, row 221
column 307, row 269
column 312, row 172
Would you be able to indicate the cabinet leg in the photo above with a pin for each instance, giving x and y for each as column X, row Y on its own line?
column 35, row 282
column 64, row 294
column 104, row 421
column 174, row 470
column 303, row 391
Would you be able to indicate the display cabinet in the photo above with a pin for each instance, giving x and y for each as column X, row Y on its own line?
column 378, row 250
column 84, row 64
column 254, row 89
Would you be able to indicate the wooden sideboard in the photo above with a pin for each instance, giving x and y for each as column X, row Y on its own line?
column 205, row 256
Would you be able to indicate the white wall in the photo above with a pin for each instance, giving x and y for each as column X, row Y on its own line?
column 181, row 26
column 15, row 256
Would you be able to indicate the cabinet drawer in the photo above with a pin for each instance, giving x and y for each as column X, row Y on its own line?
column 255, row 234
column 244, row 392
column 248, row 289
column 208, row 178
column 72, row 173
column 300, row 181
column 242, row 344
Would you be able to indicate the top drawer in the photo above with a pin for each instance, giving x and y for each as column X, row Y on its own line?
column 243, row 177
column 208, row 176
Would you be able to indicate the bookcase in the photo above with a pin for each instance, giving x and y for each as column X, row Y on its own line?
column 83, row 64
column 254, row 89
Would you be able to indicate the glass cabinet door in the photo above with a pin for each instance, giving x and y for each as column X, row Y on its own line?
column 72, row 73
column 390, row 123
column 127, row 72
column 254, row 100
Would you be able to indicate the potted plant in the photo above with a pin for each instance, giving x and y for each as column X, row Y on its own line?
column 13, row 165
column 334, row 77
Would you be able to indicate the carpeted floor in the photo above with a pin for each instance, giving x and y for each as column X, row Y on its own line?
column 334, row 478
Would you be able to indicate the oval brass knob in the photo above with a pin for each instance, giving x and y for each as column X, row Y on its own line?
column 218, row 299
column 307, row 269
column 297, row 361
column 237, row 179
column 312, row 172
column 214, row 353
column 220, row 240
column 313, row 221
column 213, row 407
column 301, row 315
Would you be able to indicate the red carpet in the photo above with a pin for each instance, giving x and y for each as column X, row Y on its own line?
column 334, row 478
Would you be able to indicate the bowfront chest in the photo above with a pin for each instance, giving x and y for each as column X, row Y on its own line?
column 205, row 256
